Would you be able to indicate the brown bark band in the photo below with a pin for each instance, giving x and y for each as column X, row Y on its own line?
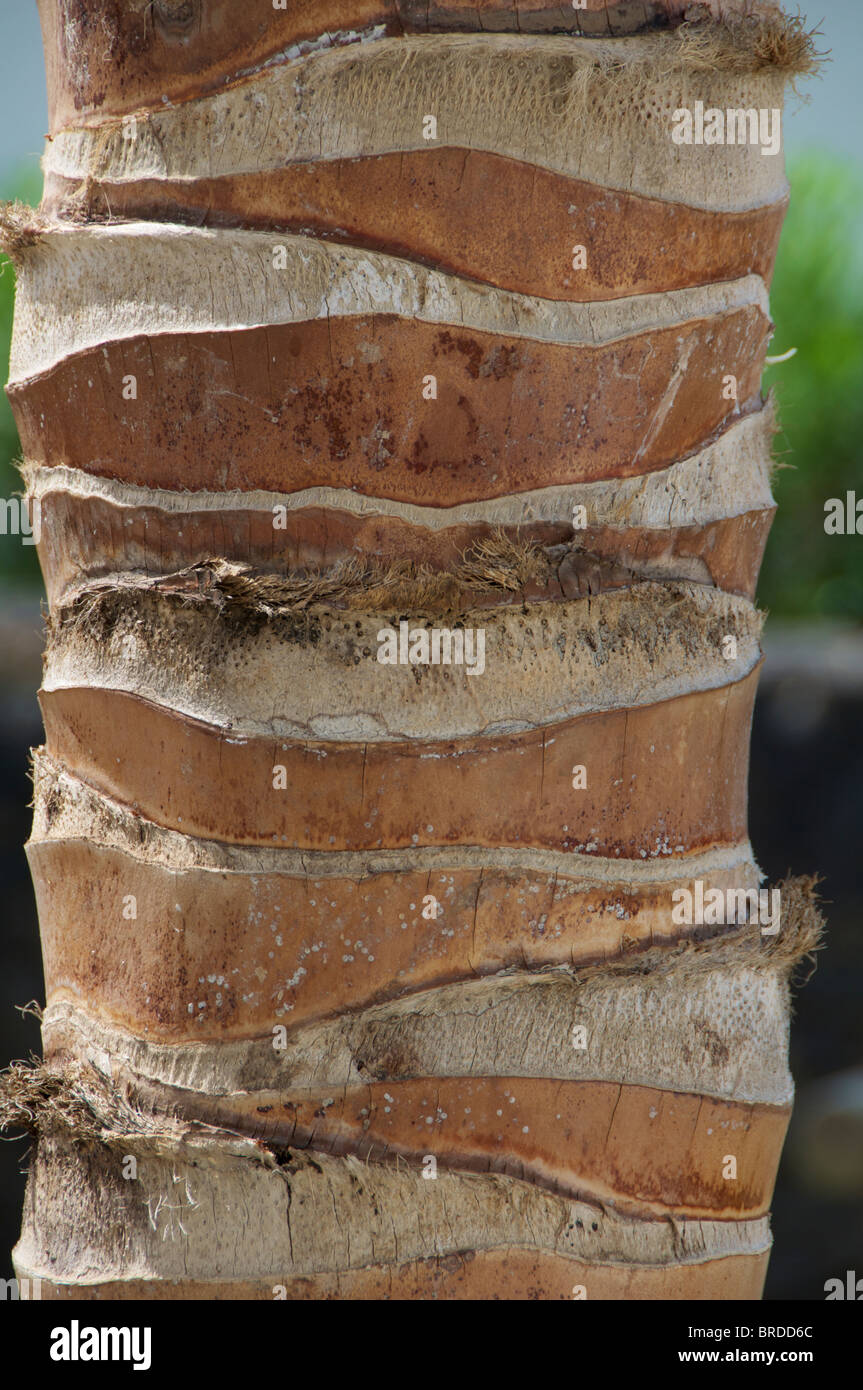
column 180, row 56
column 452, row 209
column 266, row 948
column 647, row 1152
column 657, row 778
column 511, row 413
column 471, row 1276
column 85, row 537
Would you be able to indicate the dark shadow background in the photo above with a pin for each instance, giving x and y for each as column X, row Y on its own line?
column 806, row 782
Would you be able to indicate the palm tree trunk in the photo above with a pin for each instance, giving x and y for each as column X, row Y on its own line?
column 342, row 329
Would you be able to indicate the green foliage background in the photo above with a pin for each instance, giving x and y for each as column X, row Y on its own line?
column 817, row 306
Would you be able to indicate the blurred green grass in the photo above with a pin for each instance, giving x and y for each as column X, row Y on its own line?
column 817, row 307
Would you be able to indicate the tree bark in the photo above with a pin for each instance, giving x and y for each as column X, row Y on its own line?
column 365, row 980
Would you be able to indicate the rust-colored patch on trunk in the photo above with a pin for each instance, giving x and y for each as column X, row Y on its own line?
column 339, row 403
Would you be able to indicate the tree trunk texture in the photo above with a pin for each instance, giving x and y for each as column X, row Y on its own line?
column 363, row 980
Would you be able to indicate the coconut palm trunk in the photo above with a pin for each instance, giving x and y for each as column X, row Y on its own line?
column 388, row 382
